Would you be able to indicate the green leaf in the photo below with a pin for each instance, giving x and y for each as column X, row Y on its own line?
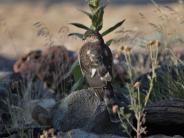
column 77, row 35
column 75, row 70
column 97, row 19
column 99, row 22
column 79, row 25
column 78, row 85
column 113, row 28
column 77, row 73
column 93, row 4
column 109, row 42
column 87, row 13
column 94, row 20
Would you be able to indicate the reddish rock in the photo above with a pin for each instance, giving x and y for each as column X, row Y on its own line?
column 54, row 66
column 50, row 66
column 28, row 63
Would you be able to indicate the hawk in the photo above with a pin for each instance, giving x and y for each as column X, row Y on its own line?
column 96, row 60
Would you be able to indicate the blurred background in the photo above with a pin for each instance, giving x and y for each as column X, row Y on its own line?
column 34, row 24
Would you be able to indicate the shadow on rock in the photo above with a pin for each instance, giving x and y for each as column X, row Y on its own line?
column 6, row 64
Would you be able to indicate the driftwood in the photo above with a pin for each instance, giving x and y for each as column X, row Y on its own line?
column 166, row 117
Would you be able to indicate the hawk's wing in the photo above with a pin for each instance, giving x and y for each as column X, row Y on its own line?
column 95, row 60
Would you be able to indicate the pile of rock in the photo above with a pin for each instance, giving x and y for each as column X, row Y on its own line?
column 50, row 66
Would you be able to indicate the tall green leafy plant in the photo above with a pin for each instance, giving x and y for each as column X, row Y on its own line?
column 96, row 15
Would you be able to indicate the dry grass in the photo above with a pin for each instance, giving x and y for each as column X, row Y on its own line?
column 19, row 35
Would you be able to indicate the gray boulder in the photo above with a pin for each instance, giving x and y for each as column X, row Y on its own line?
column 77, row 133
column 83, row 109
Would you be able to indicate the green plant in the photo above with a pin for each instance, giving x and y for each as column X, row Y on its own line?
column 96, row 17
column 77, row 74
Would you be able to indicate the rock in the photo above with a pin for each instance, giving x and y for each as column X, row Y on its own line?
column 4, row 115
column 167, row 83
column 140, row 59
column 54, row 66
column 40, row 110
column 28, row 63
column 16, row 96
column 41, row 116
column 6, row 63
column 24, row 86
column 77, row 133
column 4, row 111
column 50, row 66
column 10, row 88
column 83, row 109
column 164, row 136
column 120, row 74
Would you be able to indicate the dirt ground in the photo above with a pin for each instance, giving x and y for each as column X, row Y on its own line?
column 24, row 27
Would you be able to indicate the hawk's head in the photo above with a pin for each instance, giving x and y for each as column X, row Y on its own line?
column 92, row 36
